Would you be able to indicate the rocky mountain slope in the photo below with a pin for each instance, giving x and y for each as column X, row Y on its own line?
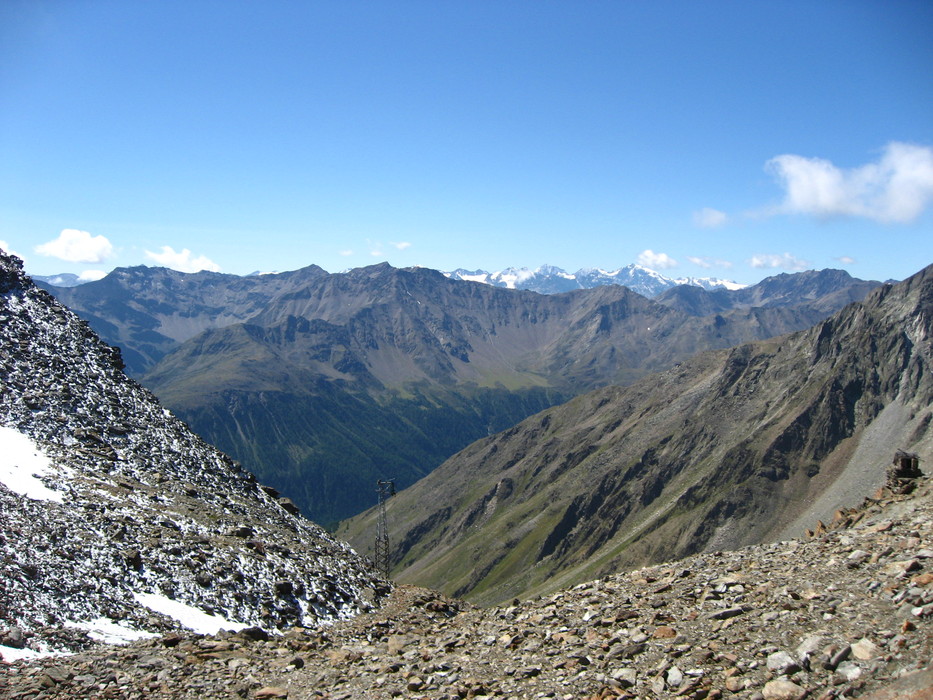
column 824, row 291
column 383, row 373
column 846, row 614
column 726, row 449
column 148, row 311
column 118, row 521
column 323, row 384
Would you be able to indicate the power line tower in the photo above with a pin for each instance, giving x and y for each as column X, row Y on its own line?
column 385, row 489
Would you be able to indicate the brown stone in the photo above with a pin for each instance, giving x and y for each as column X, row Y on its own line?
column 735, row 684
column 783, row 690
column 865, row 650
column 912, row 686
column 398, row 642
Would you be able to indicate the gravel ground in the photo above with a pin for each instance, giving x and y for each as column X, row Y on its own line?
column 848, row 613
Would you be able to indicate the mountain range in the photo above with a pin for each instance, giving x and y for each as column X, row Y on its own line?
column 119, row 522
column 548, row 279
column 728, row 448
column 323, row 383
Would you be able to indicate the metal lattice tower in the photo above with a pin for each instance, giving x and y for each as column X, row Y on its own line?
column 386, row 489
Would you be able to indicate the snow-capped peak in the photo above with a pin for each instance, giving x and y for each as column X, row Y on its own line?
column 548, row 279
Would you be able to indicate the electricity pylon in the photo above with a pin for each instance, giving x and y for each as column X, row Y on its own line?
column 385, row 489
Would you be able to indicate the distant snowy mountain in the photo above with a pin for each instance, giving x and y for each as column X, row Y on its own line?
column 548, row 279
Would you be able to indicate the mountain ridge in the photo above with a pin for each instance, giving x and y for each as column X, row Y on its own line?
column 442, row 362
column 548, row 279
column 325, row 383
column 724, row 449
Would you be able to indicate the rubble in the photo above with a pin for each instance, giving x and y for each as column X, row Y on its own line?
column 795, row 619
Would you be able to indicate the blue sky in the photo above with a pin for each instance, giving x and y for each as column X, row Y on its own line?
column 728, row 139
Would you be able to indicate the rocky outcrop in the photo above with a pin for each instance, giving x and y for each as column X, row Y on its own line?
column 903, row 472
column 116, row 517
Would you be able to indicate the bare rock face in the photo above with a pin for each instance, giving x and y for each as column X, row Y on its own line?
column 118, row 520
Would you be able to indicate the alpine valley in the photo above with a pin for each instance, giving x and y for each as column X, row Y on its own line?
column 323, row 383
column 750, row 444
column 138, row 562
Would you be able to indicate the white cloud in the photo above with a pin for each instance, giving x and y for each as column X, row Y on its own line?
column 895, row 189
column 6, row 247
column 846, row 260
column 785, row 261
column 345, row 253
column 656, row 261
column 707, row 263
column 401, row 245
column 77, row 246
column 182, row 261
column 709, row 218
column 92, row 275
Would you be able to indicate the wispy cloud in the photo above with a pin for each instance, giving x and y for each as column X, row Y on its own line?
column 656, row 261
column 785, row 261
column 708, row 263
column 183, row 261
column 896, row 188
column 77, row 246
column 709, row 218
column 846, row 260
column 346, row 253
column 377, row 248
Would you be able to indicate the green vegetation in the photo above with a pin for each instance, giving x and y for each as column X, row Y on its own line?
column 327, row 448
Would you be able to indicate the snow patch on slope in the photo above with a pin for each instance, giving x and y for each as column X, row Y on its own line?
column 22, row 466
column 186, row 615
column 107, row 631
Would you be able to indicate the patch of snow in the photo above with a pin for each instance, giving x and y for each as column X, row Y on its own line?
column 9, row 654
column 186, row 615
column 21, row 463
column 731, row 286
column 106, row 630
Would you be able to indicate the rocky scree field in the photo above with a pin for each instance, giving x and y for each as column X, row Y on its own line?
column 117, row 522
column 846, row 613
